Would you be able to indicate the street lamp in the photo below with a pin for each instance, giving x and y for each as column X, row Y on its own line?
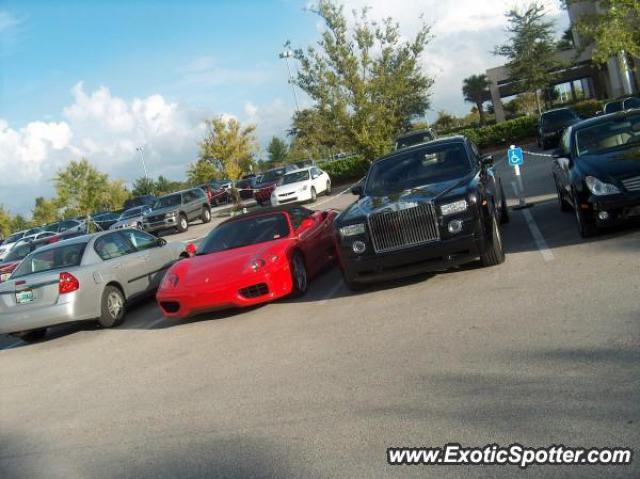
column 286, row 55
column 144, row 166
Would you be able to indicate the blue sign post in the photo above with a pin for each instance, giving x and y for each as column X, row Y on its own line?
column 515, row 156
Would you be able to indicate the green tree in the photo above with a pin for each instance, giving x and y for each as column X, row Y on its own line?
column 232, row 145
column 143, row 186
column 201, row 171
column 19, row 223
column 613, row 29
column 445, row 121
column 164, row 185
column 278, row 151
column 531, row 49
column 475, row 89
column 45, row 211
column 5, row 222
column 366, row 81
column 81, row 189
column 115, row 195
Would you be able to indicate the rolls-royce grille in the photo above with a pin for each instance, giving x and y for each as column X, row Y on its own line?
column 632, row 184
column 395, row 230
column 255, row 291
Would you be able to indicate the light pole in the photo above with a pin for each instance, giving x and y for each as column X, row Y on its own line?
column 286, row 55
column 144, row 166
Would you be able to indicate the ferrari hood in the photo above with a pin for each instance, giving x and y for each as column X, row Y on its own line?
column 224, row 266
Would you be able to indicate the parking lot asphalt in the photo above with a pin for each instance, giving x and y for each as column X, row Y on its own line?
column 543, row 349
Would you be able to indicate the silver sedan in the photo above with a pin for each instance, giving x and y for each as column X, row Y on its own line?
column 90, row 277
column 131, row 218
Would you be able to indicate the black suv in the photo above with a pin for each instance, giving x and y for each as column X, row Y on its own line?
column 177, row 210
column 414, row 138
column 552, row 124
column 422, row 209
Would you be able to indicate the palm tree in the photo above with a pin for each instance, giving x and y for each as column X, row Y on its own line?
column 475, row 88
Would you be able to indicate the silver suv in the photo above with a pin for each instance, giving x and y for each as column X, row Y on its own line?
column 177, row 210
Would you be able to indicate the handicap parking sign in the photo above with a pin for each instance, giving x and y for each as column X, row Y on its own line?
column 515, row 155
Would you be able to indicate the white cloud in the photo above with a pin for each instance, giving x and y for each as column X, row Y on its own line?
column 7, row 21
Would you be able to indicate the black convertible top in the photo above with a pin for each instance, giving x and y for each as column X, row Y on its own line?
column 268, row 210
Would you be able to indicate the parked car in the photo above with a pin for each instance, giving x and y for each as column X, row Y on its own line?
column 10, row 242
column 177, row 210
column 132, row 218
column 250, row 259
column 36, row 236
column 67, row 226
column 552, row 124
column 262, row 191
column 144, row 200
column 20, row 251
column 597, row 171
column 301, row 186
column 622, row 104
column 425, row 208
column 219, row 194
column 85, row 278
column 106, row 219
column 245, row 188
column 415, row 137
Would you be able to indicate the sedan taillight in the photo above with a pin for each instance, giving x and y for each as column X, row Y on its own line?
column 68, row 283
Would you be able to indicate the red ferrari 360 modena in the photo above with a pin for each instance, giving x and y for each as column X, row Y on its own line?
column 250, row 259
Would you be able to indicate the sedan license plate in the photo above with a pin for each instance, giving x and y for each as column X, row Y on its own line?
column 25, row 296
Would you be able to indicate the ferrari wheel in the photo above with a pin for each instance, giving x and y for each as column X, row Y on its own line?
column 299, row 275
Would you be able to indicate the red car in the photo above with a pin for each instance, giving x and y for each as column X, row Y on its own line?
column 268, row 182
column 250, row 259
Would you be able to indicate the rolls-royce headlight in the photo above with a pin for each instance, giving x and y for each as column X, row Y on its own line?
column 453, row 208
column 352, row 230
column 600, row 188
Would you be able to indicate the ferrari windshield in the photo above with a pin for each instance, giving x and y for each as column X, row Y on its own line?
column 245, row 232
column 615, row 134
column 419, row 167
column 295, row 177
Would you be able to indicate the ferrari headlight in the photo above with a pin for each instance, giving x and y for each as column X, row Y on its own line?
column 600, row 188
column 352, row 230
column 257, row 264
column 170, row 280
column 453, row 208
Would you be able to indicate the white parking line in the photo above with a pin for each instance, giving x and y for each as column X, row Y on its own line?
column 541, row 243
column 331, row 198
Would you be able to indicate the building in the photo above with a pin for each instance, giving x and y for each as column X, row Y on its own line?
column 615, row 79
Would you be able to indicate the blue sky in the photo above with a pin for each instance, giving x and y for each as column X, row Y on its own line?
column 97, row 78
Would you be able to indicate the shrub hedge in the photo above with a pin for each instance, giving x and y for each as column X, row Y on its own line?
column 507, row 132
column 347, row 169
column 588, row 108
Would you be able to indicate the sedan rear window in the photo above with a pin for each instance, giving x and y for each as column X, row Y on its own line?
column 64, row 256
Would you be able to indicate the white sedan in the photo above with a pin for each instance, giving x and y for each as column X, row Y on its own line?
column 301, row 186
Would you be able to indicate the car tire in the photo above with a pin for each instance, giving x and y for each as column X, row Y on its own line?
column 314, row 195
column 299, row 276
column 504, row 208
column 495, row 252
column 183, row 223
column 113, row 307
column 564, row 206
column 585, row 228
column 328, row 191
column 206, row 215
column 32, row 336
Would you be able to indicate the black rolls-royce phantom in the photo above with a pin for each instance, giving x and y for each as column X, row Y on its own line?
column 422, row 209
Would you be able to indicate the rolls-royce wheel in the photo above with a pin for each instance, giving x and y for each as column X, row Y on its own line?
column 206, row 215
column 495, row 252
column 32, row 336
column 299, row 275
column 113, row 307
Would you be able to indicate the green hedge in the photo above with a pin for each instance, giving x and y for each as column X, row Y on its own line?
column 588, row 108
column 507, row 132
column 345, row 170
